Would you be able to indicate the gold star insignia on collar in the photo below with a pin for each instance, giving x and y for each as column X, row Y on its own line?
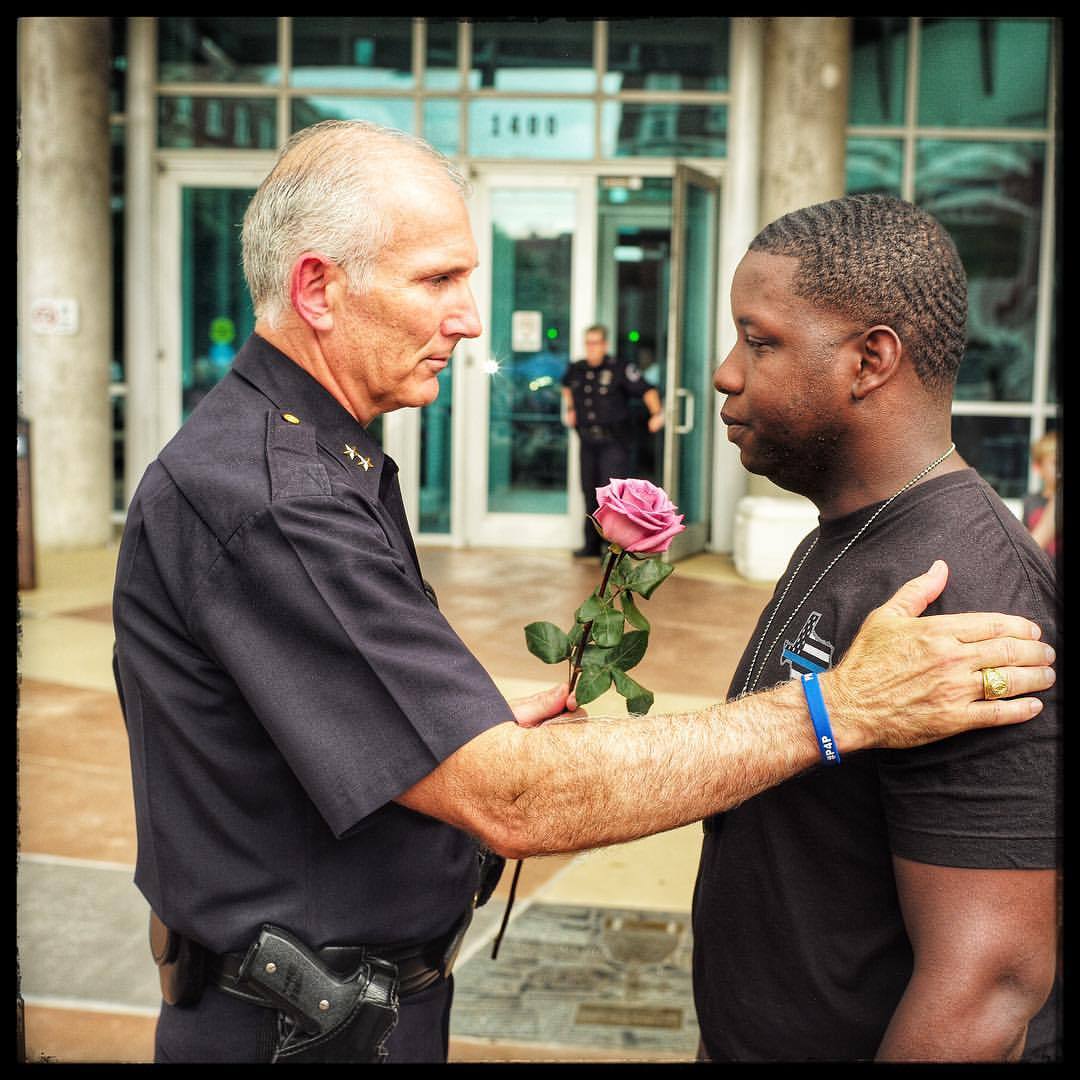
column 351, row 452
column 365, row 463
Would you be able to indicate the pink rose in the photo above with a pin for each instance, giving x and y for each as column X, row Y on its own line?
column 638, row 516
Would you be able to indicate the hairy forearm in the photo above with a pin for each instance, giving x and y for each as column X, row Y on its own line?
column 582, row 784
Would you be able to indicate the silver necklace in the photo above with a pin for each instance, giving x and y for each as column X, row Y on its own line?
column 780, row 603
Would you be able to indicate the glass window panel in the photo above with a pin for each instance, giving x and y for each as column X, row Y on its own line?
column 244, row 123
column 391, row 112
column 874, row 166
column 117, row 405
column 442, row 125
column 999, row 447
column 441, row 70
column 216, row 315
column 551, row 54
column 989, row 196
column 116, row 207
column 878, row 70
column 635, row 191
column 540, row 128
column 118, row 64
column 345, row 51
column 667, row 54
column 664, row 129
column 204, row 48
column 436, row 442
column 984, row 72
column 532, row 243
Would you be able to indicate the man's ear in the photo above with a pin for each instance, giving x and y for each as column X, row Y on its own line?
column 312, row 275
column 880, row 361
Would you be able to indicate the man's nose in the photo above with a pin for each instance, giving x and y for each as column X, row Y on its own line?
column 726, row 378
column 465, row 320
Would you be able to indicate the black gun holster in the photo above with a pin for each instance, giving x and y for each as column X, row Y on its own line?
column 323, row 1016
column 181, row 964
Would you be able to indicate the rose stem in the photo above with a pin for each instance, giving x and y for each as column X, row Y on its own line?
column 612, row 561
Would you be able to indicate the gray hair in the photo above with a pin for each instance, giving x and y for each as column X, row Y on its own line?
column 325, row 194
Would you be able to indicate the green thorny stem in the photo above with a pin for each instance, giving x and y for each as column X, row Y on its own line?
column 614, row 555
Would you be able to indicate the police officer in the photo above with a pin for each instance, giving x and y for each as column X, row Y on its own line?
column 597, row 392
column 312, row 746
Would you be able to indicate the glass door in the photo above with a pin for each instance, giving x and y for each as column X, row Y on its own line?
column 534, row 287
column 691, row 354
column 204, row 309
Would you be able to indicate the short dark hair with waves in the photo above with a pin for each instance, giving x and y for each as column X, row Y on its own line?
column 878, row 259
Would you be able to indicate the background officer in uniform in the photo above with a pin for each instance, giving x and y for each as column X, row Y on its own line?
column 312, row 746
column 598, row 391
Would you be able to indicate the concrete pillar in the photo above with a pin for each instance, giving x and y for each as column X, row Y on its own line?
column 65, row 334
column 807, row 72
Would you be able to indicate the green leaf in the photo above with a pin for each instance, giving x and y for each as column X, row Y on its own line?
column 629, row 651
column 575, row 635
column 595, row 657
column 588, row 611
column 645, row 576
column 638, row 700
column 547, row 641
column 632, row 613
column 591, row 684
column 607, row 628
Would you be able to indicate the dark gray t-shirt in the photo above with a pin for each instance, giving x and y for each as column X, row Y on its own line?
column 800, row 946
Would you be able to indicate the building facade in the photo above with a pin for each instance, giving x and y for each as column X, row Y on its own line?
column 618, row 170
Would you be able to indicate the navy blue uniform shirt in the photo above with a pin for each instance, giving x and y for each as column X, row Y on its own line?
column 602, row 394
column 285, row 676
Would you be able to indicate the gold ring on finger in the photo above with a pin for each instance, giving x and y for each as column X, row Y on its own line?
column 995, row 685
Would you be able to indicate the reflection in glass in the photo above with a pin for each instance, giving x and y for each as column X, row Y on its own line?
column 442, row 124
column 532, row 240
column 878, row 70
column 989, row 196
column 538, row 128
column 537, row 56
column 664, row 129
column 392, row 112
column 695, row 361
column 441, row 70
column 209, row 48
column 117, row 155
column 216, row 316
column 999, row 448
column 874, row 166
column 119, row 406
column 117, row 64
column 667, row 54
column 436, row 457
column 243, row 123
column 346, row 51
column 984, row 72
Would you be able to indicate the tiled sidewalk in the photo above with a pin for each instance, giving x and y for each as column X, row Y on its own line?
column 594, row 965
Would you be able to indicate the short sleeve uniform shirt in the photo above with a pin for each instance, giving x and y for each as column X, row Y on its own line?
column 285, row 675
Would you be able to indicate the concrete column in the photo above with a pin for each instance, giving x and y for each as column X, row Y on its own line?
column 807, row 72
column 65, row 335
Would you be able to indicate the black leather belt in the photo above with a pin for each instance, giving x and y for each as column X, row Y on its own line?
column 596, row 432
column 418, row 966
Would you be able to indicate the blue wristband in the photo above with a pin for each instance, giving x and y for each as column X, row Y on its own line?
column 820, row 716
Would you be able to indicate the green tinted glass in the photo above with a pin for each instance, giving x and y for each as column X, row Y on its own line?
column 999, row 447
column 878, row 70
column 224, row 123
column 538, row 128
column 664, row 129
column 391, row 112
column 989, row 196
column 984, row 72
column 874, row 166
column 436, row 443
column 532, row 241
column 345, row 51
column 535, row 56
column 667, row 54
column 216, row 315
column 209, row 48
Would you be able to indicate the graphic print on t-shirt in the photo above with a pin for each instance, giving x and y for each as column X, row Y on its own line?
column 808, row 652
